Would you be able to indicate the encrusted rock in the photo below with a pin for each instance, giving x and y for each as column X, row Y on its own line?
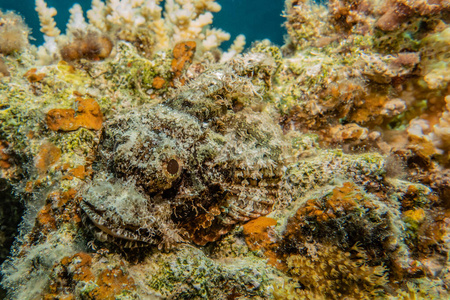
column 87, row 115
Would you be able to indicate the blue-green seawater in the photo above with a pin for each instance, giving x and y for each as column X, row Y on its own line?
column 256, row 19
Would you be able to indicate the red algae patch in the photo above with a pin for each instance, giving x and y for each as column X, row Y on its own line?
column 32, row 76
column 5, row 158
column 158, row 82
column 45, row 219
column 98, row 281
column 110, row 283
column 182, row 54
column 48, row 155
column 257, row 232
column 60, row 208
column 260, row 235
column 79, row 172
column 60, row 199
column 76, row 268
column 87, row 115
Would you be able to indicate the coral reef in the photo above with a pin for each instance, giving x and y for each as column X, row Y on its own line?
column 144, row 23
column 144, row 162
column 193, row 275
column 399, row 11
column 90, row 278
column 327, row 272
column 212, row 166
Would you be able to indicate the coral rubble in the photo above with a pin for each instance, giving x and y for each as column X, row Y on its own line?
column 143, row 162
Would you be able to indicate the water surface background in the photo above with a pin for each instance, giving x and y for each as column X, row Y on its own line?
column 256, row 19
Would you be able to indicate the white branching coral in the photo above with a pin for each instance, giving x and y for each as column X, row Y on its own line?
column 123, row 12
column 97, row 15
column 47, row 52
column 209, row 5
column 46, row 14
column 141, row 20
column 214, row 37
column 76, row 21
column 236, row 48
column 187, row 19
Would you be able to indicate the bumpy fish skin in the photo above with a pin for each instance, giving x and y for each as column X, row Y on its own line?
column 188, row 176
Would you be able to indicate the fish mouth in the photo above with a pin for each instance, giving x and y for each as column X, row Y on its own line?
column 118, row 231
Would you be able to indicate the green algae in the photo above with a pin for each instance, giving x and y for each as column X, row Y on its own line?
column 195, row 276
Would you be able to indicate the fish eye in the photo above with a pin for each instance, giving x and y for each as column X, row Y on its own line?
column 172, row 166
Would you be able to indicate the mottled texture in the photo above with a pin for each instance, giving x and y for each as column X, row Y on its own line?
column 136, row 171
column 191, row 174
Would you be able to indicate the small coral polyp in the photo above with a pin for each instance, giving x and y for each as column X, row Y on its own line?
column 178, row 170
